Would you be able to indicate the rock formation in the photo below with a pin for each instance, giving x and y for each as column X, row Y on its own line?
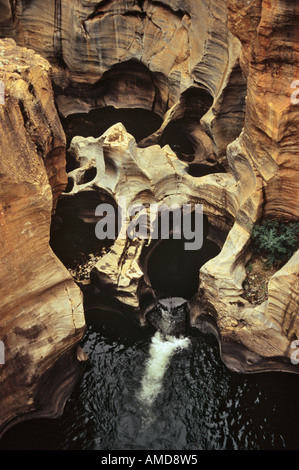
column 155, row 176
column 188, row 63
column 128, row 53
column 264, row 161
column 41, row 320
column 252, row 338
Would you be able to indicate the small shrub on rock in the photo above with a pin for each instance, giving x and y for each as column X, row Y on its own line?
column 275, row 240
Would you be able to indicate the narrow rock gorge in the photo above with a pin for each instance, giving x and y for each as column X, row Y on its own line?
column 158, row 103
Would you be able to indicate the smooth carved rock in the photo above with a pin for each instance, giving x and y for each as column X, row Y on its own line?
column 251, row 338
column 29, row 80
column 42, row 319
column 270, row 60
column 264, row 162
column 122, row 54
column 153, row 175
column 136, row 54
column 148, row 176
column 82, row 42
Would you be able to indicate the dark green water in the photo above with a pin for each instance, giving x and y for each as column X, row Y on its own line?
column 202, row 404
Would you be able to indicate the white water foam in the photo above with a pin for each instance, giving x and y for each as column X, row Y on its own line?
column 161, row 350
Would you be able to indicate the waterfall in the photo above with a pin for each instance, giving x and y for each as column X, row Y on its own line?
column 163, row 346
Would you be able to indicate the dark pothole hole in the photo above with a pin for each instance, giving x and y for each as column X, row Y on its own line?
column 138, row 122
column 172, row 269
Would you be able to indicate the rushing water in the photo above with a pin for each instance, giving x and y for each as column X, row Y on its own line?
column 163, row 345
column 160, row 353
column 144, row 390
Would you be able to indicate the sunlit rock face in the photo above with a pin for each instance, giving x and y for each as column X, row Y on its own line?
column 42, row 319
column 270, row 60
column 173, row 40
column 114, row 170
column 136, row 271
column 128, row 53
column 264, row 161
column 37, row 113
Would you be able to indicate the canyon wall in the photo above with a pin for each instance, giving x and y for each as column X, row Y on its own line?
column 189, row 63
column 269, row 33
column 261, row 181
column 41, row 313
column 128, row 53
column 264, row 162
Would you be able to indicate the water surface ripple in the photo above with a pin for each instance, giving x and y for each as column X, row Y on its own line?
column 201, row 404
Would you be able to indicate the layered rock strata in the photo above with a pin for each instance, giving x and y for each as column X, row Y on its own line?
column 263, row 169
column 264, row 161
column 128, row 53
column 111, row 54
column 41, row 313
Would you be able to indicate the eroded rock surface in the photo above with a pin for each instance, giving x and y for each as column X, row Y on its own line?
column 128, row 53
column 264, row 161
column 182, row 62
column 41, row 319
column 270, row 60
column 263, row 167
column 112, row 168
column 172, row 39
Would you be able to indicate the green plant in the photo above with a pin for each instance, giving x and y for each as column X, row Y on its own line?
column 250, row 268
column 275, row 240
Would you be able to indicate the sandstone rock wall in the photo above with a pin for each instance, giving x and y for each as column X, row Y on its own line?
column 264, row 162
column 41, row 313
column 155, row 176
column 269, row 32
column 84, row 40
column 128, row 53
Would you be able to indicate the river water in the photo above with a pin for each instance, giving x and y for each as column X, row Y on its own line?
column 142, row 389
